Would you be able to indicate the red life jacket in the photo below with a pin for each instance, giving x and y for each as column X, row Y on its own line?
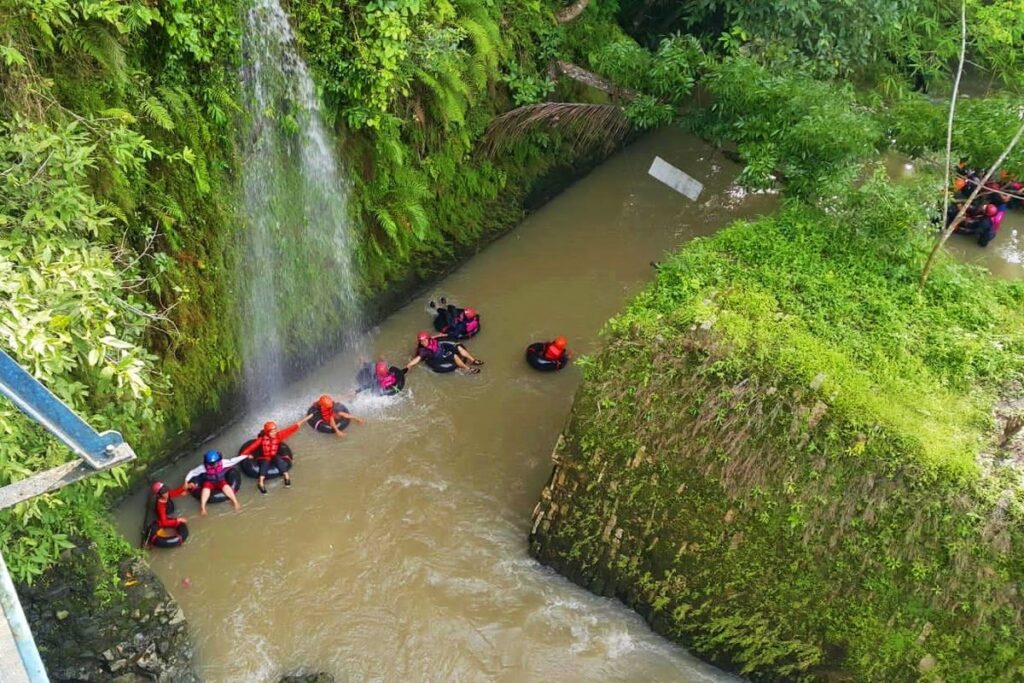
column 553, row 353
column 268, row 447
column 433, row 346
column 326, row 413
column 472, row 324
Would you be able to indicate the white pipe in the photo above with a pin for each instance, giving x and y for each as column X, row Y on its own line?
column 31, row 663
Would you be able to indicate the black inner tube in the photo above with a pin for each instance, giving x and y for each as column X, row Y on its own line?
column 172, row 540
column 231, row 476
column 535, row 357
column 251, row 468
column 399, row 384
column 317, row 423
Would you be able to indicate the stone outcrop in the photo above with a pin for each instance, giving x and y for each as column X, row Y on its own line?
column 90, row 630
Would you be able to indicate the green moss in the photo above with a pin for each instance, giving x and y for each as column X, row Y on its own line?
column 776, row 458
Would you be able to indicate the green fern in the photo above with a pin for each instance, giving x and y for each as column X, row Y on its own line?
column 155, row 110
column 95, row 40
column 485, row 53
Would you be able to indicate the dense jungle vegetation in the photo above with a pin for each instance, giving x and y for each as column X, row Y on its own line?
column 120, row 162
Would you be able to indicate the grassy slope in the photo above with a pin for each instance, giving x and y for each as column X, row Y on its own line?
column 774, row 460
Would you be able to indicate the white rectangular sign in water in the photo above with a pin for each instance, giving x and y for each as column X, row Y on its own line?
column 676, row 179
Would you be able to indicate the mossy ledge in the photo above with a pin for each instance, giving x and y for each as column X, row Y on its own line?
column 794, row 463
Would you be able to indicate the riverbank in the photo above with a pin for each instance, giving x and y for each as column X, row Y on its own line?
column 792, row 462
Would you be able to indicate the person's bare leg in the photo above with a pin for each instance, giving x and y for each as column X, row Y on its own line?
column 464, row 352
column 261, row 484
column 462, row 365
column 203, row 497
column 230, row 493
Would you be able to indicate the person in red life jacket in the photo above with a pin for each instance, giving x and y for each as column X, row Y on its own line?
column 435, row 352
column 164, row 508
column 269, row 441
column 326, row 414
column 465, row 324
column 556, row 351
column 214, row 471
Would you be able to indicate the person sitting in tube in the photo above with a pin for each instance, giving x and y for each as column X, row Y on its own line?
column 328, row 416
column 445, row 315
column 164, row 509
column 214, row 471
column 269, row 441
column 433, row 350
column 465, row 324
column 556, row 351
column 388, row 379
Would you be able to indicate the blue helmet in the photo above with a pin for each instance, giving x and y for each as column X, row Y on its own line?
column 212, row 457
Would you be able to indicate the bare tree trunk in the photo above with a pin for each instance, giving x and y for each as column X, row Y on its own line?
column 952, row 111
column 572, row 11
column 963, row 211
column 578, row 73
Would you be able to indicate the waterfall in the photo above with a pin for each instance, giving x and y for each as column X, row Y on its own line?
column 295, row 282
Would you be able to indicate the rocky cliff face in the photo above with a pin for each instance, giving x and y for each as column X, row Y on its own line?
column 88, row 633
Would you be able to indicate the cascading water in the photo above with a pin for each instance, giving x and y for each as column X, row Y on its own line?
column 295, row 282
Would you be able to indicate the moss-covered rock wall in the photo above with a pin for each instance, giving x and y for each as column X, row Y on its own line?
column 794, row 463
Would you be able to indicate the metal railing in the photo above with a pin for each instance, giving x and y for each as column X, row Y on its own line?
column 96, row 452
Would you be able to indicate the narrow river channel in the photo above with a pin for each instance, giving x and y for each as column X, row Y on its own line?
column 400, row 552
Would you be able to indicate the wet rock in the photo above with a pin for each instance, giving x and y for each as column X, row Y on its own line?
column 150, row 661
column 319, row 677
column 138, row 635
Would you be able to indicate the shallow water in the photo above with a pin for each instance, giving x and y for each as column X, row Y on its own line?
column 400, row 553
column 1003, row 257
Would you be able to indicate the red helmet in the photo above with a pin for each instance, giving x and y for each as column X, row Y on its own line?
column 269, row 426
column 326, row 401
column 381, row 369
column 470, row 312
column 423, row 336
column 157, row 488
column 991, row 210
column 560, row 342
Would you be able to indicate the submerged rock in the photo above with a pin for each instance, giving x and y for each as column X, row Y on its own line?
column 319, row 677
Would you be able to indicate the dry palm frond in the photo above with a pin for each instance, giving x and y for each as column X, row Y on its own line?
column 583, row 124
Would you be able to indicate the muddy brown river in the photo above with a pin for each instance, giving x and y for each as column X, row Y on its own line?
column 400, row 553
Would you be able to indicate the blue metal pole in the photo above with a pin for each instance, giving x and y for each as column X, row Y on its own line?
column 23, row 639
column 39, row 403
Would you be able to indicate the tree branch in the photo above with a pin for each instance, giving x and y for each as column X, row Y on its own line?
column 572, row 11
column 952, row 110
column 578, row 73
